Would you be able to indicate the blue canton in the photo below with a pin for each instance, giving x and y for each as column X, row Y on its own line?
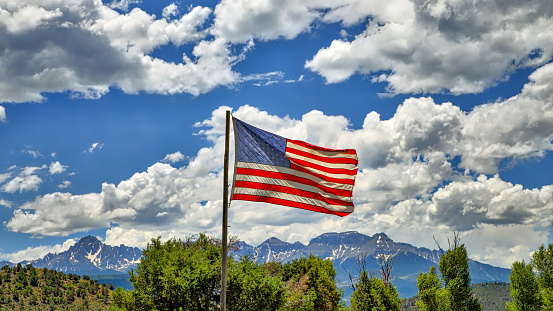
column 258, row 146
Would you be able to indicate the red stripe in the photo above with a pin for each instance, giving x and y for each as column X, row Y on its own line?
column 294, row 178
column 310, row 146
column 294, row 191
column 323, row 177
column 338, row 160
column 254, row 198
column 324, row 168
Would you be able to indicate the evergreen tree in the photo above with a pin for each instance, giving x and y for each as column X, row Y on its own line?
column 524, row 288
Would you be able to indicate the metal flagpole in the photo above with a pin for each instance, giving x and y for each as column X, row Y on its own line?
column 225, row 216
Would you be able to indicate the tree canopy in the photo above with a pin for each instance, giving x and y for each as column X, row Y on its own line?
column 452, row 291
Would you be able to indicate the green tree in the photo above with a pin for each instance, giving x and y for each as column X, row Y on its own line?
column 452, row 292
column 372, row 294
column 319, row 276
column 251, row 288
column 186, row 274
column 542, row 261
column 524, row 288
column 428, row 285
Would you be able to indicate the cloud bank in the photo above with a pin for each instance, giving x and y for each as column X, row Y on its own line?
column 426, row 169
column 86, row 48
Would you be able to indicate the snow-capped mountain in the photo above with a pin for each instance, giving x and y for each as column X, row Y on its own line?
column 90, row 256
column 344, row 250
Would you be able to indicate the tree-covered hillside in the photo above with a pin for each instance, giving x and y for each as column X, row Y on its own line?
column 27, row 288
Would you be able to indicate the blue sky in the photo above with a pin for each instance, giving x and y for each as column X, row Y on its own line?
column 112, row 115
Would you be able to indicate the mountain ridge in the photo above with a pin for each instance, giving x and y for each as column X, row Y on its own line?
column 347, row 248
column 92, row 257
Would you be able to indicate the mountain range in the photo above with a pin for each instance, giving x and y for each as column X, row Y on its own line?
column 90, row 256
column 345, row 249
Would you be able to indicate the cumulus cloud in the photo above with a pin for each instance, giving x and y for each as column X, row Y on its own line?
column 433, row 46
column 413, row 46
column 173, row 157
column 27, row 180
column 170, row 10
column 57, row 168
column 122, row 5
column 22, row 183
column 240, row 21
column 65, row 184
column 108, row 54
column 32, row 253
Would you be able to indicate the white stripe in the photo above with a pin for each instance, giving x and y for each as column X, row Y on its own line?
column 285, row 170
column 293, row 198
column 325, row 154
column 321, row 163
column 291, row 184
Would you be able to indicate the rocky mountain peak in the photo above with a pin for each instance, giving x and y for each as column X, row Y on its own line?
column 275, row 242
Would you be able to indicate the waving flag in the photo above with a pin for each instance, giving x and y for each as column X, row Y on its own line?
column 270, row 168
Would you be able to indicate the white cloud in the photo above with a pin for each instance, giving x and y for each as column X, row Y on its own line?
column 2, row 114
column 57, row 168
column 170, row 10
column 414, row 46
column 457, row 46
column 95, row 147
column 115, row 48
column 32, row 253
column 27, row 18
column 4, row 177
column 519, row 127
column 240, row 21
column 5, row 203
column 122, row 5
column 33, row 153
column 27, row 180
column 173, row 157
column 65, row 184
column 22, row 183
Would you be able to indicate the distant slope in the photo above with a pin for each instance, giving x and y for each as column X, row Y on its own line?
column 27, row 288
column 492, row 296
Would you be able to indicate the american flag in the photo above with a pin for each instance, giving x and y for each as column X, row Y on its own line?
column 270, row 168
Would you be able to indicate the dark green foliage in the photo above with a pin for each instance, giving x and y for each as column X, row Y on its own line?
column 524, row 289
column 493, row 295
column 373, row 295
column 318, row 279
column 542, row 261
column 428, row 285
column 251, row 288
